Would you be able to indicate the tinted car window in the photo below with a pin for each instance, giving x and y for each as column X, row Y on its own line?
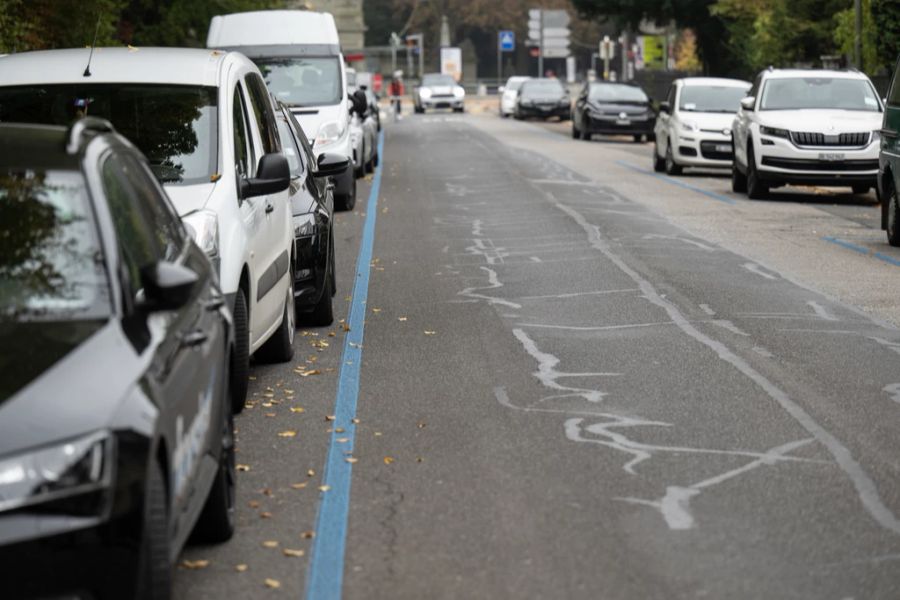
column 262, row 111
column 51, row 260
column 303, row 81
column 174, row 126
column 437, row 79
column 289, row 148
column 166, row 225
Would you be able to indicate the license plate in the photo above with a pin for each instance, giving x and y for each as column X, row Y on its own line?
column 831, row 156
column 723, row 148
column 623, row 122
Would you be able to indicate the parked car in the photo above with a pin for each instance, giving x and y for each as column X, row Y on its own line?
column 363, row 128
column 207, row 125
column 693, row 128
column 116, row 430
column 544, row 98
column 299, row 54
column 609, row 108
column 374, row 108
column 439, row 91
column 806, row 126
column 312, row 205
column 889, row 163
column 508, row 95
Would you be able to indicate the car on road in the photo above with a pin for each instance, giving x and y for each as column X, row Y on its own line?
column 693, row 128
column 808, row 127
column 437, row 90
column 543, row 97
column 889, row 163
column 312, row 205
column 116, row 428
column 299, row 54
column 508, row 95
column 609, row 108
column 206, row 123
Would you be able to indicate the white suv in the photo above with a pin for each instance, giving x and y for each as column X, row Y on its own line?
column 808, row 127
column 693, row 128
column 206, row 124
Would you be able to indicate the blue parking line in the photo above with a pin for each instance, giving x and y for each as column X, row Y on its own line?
column 325, row 575
column 862, row 250
column 680, row 184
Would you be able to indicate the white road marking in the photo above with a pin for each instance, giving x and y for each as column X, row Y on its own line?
column 705, row 308
column 576, row 294
column 597, row 328
column 894, row 391
column 763, row 352
column 653, row 236
column 887, row 344
column 757, row 270
column 820, row 311
column 493, row 284
column 728, row 325
column 535, row 259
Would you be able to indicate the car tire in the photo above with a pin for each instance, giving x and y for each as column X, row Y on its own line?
column 347, row 201
column 586, row 135
column 419, row 111
column 892, row 224
column 671, row 167
column 861, row 189
column 575, row 133
column 756, row 188
column 738, row 180
column 239, row 367
column 461, row 109
column 155, row 575
column 370, row 166
column 280, row 347
column 659, row 163
column 216, row 522
column 638, row 139
column 323, row 312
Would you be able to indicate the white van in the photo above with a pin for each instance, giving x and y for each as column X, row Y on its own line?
column 299, row 54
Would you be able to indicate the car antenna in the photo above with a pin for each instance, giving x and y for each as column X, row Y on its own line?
column 87, row 69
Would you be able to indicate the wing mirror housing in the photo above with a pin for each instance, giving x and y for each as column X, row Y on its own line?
column 167, row 286
column 272, row 176
column 359, row 103
column 330, row 164
column 665, row 107
column 748, row 103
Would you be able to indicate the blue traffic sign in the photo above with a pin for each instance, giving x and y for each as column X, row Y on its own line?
column 507, row 41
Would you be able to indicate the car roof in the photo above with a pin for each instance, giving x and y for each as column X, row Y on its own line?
column 273, row 27
column 36, row 146
column 173, row 66
column 717, row 81
column 788, row 73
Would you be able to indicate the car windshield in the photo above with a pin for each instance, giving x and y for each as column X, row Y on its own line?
column 549, row 87
column 51, row 263
column 611, row 92
column 174, row 126
column 711, row 98
column 819, row 92
column 303, row 81
column 513, row 85
column 437, row 79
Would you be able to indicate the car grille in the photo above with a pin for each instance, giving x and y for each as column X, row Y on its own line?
column 708, row 150
column 799, row 164
column 848, row 140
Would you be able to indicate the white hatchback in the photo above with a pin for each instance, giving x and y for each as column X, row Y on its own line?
column 508, row 94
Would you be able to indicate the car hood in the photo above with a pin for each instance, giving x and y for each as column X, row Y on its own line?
column 189, row 198
column 822, row 121
column 710, row 121
column 311, row 118
column 439, row 90
column 64, row 379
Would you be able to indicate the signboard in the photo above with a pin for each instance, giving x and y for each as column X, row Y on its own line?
column 507, row 41
column 451, row 62
column 549, row 28
column 556, row 52
column 653, row 51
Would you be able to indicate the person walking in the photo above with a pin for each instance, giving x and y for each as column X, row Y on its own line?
column 396, row 91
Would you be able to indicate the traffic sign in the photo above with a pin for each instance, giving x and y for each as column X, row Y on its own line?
column 556, row 52
column 556, row 18
column 507, row 40
column 555, row 42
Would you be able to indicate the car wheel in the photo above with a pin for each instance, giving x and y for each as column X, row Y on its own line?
column 575, row 133
column 239, row 369
column 659, row 163
column 861, row 189
column 893, row 217
column 323, row 312
column 638, row 139
column 756, row 189
column 738, row 180
column 370, row 166
column 672, row 167
column 280, row 347
column 216, row 523
column 155, row 575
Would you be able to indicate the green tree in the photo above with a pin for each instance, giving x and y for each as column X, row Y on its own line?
column 178, row 22
column 48, row 24
column 845, row 36
column 886, row 16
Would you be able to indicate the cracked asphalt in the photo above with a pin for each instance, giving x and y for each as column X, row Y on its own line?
column 580, row 380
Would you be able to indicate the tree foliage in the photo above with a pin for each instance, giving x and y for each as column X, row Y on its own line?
column 886, row 16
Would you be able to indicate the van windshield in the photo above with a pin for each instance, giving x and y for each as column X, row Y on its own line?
column 303, row 81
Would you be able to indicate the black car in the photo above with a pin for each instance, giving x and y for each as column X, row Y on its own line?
column 116, row 433
column 543, row 97
column 613, row 109
column 312, row 205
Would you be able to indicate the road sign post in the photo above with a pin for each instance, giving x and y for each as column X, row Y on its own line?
column 506, row 42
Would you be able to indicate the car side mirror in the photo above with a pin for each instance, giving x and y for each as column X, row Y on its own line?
column 748, row 103
column 359, row 102
column 665, row 107
column 167, row 286
column 272, row 176
column 331, row 164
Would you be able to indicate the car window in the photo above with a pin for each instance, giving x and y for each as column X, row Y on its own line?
column 894, row 95
column 711, row 98
column 306, row 151
column 794, row 93
column 243, row 148
column 262, row 111
column 617, row 92
column 437, row 79
column 161, row 218
column 289, row 148
column 542, row 87
column 312, row 81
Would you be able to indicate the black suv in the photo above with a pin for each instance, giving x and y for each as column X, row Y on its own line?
column 116, row 433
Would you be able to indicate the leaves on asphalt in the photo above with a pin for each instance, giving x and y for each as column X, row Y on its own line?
column 352, row 460
column 428, row 332
column 308, row 535
column 270, row 544
column 241, row 568
column 302, row 372
column 330, row 417
column 265, row 515
column 298, row 486
column 311, row 473
column 297, row 409
column 292, row 552
column 324, row 488
column 402, row 319
column 342, row 440
column 287, row 434
column 272, row 583
column 388, row 460
column 242, row 468
column 194, row 565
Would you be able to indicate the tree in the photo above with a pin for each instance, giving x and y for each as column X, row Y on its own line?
column 845, row 36
column 886, row 16
column 47, row 24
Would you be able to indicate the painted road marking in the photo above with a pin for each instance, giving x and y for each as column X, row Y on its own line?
column 325, row 575
column 680, row 184
column 862, row 250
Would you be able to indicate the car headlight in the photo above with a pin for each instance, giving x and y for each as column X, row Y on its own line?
column 203, row 225
column 459, row 93
column 328, row 133
column 876, row 136
column 68, row 469
column 304, row 225
column 686, row 126
column 774, row 132
column 425, row 93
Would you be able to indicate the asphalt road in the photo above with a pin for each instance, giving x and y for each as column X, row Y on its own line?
column 583, row 380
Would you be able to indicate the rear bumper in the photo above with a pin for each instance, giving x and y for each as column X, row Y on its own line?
column 442, row 102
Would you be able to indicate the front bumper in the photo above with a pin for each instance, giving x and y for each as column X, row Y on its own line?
column 442, row 102
column 702, row 149
column 613, row 125
column 779, row 161
column 310, row 269
column 544, row 111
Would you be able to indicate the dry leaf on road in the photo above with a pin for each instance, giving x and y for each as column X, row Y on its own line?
column 244, row 468
column 273, row 584
column 270, row 544
column 388, row 460
column 240, row 568
column 194, row 564
column 292, row 552
column 287, row 434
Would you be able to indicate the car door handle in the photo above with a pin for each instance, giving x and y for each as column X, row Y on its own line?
column 194, row 338
column 269, row 208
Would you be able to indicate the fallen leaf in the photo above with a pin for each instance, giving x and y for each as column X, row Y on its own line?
column 342, row 440
column 270, row 415
column 308, row 535
column 266, row 492
column 388, row 460
column 352, row 460
column 270, row 544
column 355, row 345
column 355, row 421
column 420, row 459
column 345, row 327
column 252, row 378
column 324, row 488
column 402, row 319
column 244, row 468
column 297, row 409
column 430, row 332
column 298, row 486
column 292, row 552
column 307, row 372
column 273, row 584
column 378, row 434
column 339, row 430
column 330, row 417
column 267, row 405
column 240, row 568
column 376, row 310
column 287, row 434
column 194, row 564
column 421, row 424
column 265, row 515
column 253, row 503
column 311, row 473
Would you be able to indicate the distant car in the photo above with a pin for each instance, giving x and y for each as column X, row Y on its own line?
column 508, row 95
column 363, row 128
column 374, row 108
column 808, row 127
column 439, row 91
column 604, row 107
column 116, row 429
column 543, row 98
column 206, row 123
column 693, row 128
column 312, row 205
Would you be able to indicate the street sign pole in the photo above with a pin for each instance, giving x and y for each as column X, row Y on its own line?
column 499, row 61
column 541, row 48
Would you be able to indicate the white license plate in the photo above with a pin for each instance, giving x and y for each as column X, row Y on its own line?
column 623, row 122
column 831, row 156
column 723, row 148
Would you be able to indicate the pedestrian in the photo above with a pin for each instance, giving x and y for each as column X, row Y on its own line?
column 395, row 91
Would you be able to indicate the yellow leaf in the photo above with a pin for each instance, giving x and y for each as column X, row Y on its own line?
column 240, row 568
column 346, row 327
column 195, row 564
column 265, row 515
column 308, row 535
column 311, row 473
column 292, row 552
column 331, row 334
column 378, row 434
column 355, row 421
column 388, row 460
column 287, row 434
column 242, row 467
column 270, row 544
column 270, row 415
column 427, row 332
column 324, row 488
column 339, row 430
column 297, row 409
column 273, row 584
column 376, row 310
column 298, row 486
column 342, row 440
column 330, row 417
column 402, row 319
column 351, row 460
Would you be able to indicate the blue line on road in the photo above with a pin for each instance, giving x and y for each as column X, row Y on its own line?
column 325, row 575
column 674, row 181
column 862, row 250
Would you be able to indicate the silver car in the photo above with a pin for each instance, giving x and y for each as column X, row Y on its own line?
column 439, row 91
column 363, row 128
